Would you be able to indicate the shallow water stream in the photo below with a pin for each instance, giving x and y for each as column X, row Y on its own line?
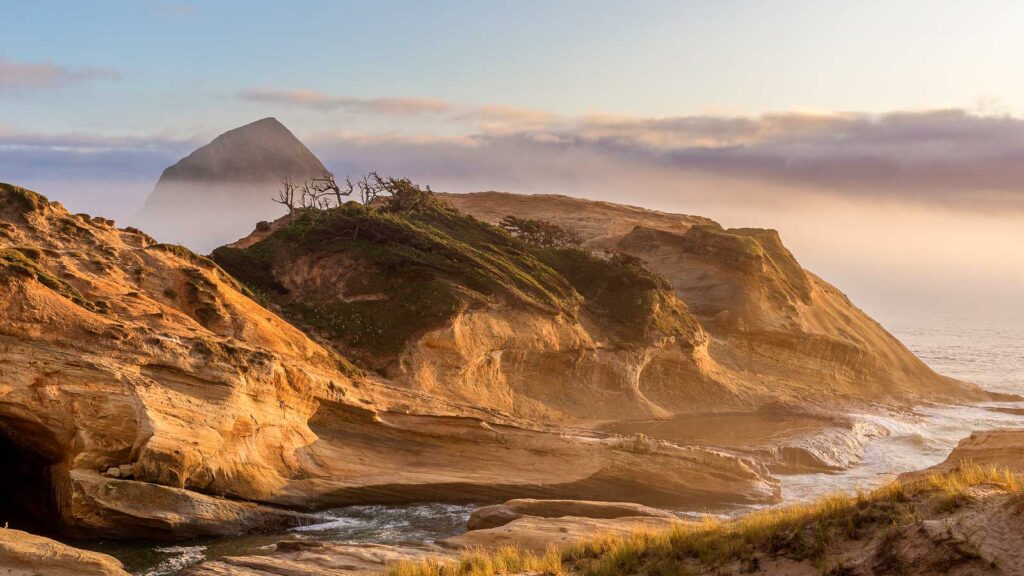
column 991, row 355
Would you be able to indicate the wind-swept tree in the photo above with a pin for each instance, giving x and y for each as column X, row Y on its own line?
column 286, row 195
column 540, row 232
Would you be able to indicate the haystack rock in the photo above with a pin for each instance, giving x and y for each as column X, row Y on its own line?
column 217, row 192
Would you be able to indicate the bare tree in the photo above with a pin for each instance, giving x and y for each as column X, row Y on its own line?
column 325, row 187
column 323, row 193
column 286, row 195
column 371, row 187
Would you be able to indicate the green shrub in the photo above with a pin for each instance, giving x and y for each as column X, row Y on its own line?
column 420, row 262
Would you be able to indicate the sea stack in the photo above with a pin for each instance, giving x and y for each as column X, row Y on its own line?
column 216, row 193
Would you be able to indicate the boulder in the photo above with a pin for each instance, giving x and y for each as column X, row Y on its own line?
column 501, row 514
column 317, row 559
column 24, row 554
column 538, row 534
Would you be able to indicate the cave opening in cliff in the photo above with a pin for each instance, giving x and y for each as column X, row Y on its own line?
column 28, row 498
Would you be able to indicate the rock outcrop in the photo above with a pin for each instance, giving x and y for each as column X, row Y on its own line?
column 775, row 331
column 694, row 319
column 1002, row 448
column 117, row 352
column 318, row 559
column 536, row 534
column 454, row 307
column 217, row 192
column 24, row 554
column 500, row 514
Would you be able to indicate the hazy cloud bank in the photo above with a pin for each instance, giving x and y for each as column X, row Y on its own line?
column 948, row 157
column 951, row 156
column 944, row 157
column 19, row 76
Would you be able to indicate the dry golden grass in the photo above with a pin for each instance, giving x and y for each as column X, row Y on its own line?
column 952, row 488
column 504, row 560
column 804, row 532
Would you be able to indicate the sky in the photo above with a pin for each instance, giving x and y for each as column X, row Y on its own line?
column 885, row 140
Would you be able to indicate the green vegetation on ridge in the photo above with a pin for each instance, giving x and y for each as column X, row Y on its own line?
column 415, row 262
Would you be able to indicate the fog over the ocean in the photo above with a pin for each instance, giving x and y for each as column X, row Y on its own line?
column 916, row 212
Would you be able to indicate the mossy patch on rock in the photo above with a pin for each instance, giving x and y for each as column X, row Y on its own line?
column 415, row 265
column 621, row 291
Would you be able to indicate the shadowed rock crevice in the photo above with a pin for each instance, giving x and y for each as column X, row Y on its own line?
column 29, row 499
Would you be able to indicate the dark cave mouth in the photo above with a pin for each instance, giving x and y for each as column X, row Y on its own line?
column 28, row 498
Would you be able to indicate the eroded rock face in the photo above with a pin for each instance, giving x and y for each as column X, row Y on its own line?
column 1002, row 448
column 776, row 333
column 24, row 554
column 554, row 368
column 120, row 353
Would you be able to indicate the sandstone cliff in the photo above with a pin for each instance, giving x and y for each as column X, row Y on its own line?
column 143, row 393
column 457, row 308
column 701, row 319
column 779, row 331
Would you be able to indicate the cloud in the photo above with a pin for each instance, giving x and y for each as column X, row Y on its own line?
column 485, row 118
column 30, row 155
column 320, row 101
column 948, row 156
column 18, row 76
column 939, row 156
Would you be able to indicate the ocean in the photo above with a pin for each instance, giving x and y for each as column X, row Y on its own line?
column 988, row 352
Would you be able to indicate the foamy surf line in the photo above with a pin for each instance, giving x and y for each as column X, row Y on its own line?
column 905, row 443
column 180, row 557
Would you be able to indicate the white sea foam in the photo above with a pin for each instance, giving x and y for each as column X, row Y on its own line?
column 334, row 524
column 180, row 557
column 992, row 358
